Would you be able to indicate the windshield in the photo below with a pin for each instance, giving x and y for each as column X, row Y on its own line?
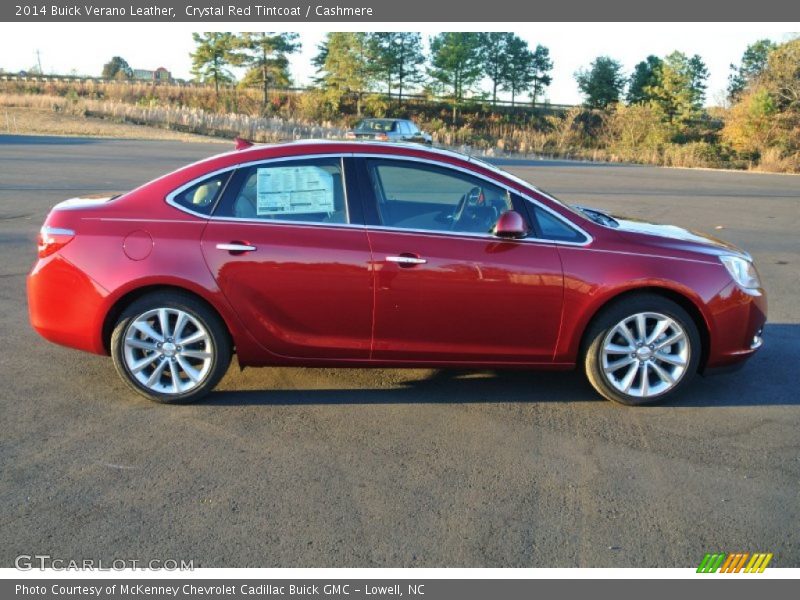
column 519, row 180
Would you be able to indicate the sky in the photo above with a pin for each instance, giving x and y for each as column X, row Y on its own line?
column 84, row 48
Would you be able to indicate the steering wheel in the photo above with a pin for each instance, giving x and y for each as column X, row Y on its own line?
column 472, row 199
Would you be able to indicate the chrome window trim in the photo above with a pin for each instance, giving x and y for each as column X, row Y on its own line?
column 170, row 199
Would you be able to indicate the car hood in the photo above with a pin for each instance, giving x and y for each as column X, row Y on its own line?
column 671, row 236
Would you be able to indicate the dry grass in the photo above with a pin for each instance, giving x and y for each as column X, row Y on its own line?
column 45, row 121
column 578, row 134
column 180, row 119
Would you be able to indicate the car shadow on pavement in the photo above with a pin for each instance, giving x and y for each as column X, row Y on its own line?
column 446, row 386
column 766, row 380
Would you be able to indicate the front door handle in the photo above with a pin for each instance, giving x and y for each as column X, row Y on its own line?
column 406, row 260
column 236, row 247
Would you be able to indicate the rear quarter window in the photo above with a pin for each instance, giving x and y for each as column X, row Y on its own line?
column 202, row 196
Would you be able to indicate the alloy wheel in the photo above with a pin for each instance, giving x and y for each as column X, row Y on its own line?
column 645, row 354
column 168, row 350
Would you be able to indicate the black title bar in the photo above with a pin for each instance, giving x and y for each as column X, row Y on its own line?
column 450, row 11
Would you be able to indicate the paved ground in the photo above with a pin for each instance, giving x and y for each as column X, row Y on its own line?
column 295, row 467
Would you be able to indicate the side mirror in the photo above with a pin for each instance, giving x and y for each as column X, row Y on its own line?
column 510, row 225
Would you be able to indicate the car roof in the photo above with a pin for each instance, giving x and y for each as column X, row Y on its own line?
column 274, row 149
column 298, row 148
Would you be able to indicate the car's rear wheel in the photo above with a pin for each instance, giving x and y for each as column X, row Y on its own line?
column 642, row 349
column 170, row 347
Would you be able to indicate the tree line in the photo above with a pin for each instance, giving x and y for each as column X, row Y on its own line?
column 661, row 106
column 352, row 63
column 675, row 85
column 657, row 113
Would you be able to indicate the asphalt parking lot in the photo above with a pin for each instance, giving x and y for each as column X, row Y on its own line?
column 301, row 467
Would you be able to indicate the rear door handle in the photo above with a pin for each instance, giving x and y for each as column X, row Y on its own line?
column 236, row 247
column 406, row 260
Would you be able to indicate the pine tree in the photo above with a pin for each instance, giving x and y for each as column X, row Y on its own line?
column 397, row 59
column 458, row 61
column 265, row 55
column 212, row 57
column 602, row 83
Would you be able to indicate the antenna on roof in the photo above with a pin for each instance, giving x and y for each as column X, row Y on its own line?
column 241, row 143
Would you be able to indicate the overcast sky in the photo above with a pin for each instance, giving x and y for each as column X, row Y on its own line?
column 85, row 47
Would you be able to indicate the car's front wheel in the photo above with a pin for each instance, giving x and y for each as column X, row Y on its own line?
column 641, row 350
column 170, row 347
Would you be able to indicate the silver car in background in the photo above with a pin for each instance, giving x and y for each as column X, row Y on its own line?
column 389, row 130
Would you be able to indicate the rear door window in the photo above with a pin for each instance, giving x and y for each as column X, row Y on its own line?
column 310, row 190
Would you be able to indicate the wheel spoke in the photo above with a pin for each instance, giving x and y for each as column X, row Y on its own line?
column 180, row 323
column 616, row 365
column 661, row 326
column 195, row 337
column 673, row 339
column 195, row 354
column 173, row 370
column 662, row 373
column 193, row 373
column 617, row 349
column 623, row 330
column 641, row 328
column 627, row 381
column 141, row 364
column 644, row 383
column 147, row 329
column 156, row 374
column 163, row 321
column 672, row 359
column 141, row 344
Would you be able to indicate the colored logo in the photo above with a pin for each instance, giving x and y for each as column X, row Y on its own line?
column 743, row 562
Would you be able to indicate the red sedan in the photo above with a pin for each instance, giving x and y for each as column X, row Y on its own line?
column 352, row 254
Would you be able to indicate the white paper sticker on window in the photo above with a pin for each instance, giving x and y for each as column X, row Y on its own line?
column 294, row 190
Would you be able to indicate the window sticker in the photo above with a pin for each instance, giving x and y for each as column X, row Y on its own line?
column 294, row 191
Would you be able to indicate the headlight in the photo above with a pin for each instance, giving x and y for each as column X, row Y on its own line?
column 742, row 271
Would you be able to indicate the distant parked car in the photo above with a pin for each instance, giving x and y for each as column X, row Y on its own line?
column 388, row 130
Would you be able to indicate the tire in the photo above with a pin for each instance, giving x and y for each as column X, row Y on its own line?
column 179, row 367
column 611, row 357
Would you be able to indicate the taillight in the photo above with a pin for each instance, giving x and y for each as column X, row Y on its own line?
column 350, row 135
column 382, row 137
column 52, row 239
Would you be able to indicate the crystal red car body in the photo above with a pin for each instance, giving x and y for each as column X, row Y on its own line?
column 318, row 295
